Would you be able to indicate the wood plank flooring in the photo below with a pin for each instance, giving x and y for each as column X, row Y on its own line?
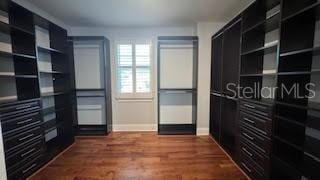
column 142, row 156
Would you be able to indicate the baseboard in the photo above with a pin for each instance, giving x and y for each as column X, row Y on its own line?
column 177, row 129
column 202, row 131
column 134, row 127
column 83, row 130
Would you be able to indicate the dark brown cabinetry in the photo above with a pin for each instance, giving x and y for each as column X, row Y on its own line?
column 278, row 132
column 34, row 131
column 225, row 71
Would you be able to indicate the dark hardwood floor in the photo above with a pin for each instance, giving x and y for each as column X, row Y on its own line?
column 142, row 156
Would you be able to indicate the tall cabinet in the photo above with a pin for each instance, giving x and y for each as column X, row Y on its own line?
column 225, row 78
column 93, row 85
column 35, row 93
column 277, row 122
column 177, row 84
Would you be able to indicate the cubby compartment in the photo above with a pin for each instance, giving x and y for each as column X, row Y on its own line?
column 4, row 17
column 306, row 33
column 296, row 63
column 292, row 89
column 46, row 84
column 259, row 11
column 298, row 115
column 23, row 43
column 216, row 65
column 261, row 62
column 261, row 25
column 25, row 66
column 291, row 132
column 4, row 8
column 311, row 166
column 58, row 37
column 258, row 87
column 61, row 83
column 287, row 153
column 21, row 18
column 281, row 170
column 8, row 92
column 59, row 64
column 27, row 88
column 291, row 7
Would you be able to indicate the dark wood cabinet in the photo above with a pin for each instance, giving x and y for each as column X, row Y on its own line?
column 273, row 137
column 231, row 57
column 228, row 134
column 215, row 116
column 216, row 63
column 34, row 129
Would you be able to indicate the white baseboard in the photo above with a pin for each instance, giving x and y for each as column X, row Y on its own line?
column 202, row 131
column 134, row 127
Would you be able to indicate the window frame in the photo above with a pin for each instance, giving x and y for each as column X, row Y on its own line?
column 134, row 94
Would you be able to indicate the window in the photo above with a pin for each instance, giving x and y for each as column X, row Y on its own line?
column 133, row 61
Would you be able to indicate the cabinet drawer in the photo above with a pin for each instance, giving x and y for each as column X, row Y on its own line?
column 262, row 125
column 17, row 108
column 251, row 169
column 26, row 169
column 263, row 110
column 17, row 124
column 12, row 141
column 262, row 143
column 20, row 157
column 258, row 158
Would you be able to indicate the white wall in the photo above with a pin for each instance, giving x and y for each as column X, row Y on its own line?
column 205, row 32
column 3, row 172
column 141, row 114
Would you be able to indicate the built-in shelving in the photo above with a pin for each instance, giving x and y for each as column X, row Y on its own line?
column 177, row 85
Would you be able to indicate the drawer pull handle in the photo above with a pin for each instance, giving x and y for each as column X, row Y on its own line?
column 249, row 106
column 26, row 153
column 246, row 135
column 23, row 107
column 245, row 150
column 22, row 122
column 26, row 137
column 246, row 167
column 28, row 169
column 248, row 120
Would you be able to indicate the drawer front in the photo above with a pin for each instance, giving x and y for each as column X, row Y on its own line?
column 258, row 158
column 11, row 142
column 262, row 125
column 17, row 124
column 262, row 143
column 17, row 108
column 27, row 169
column 20, row 157
column 262, row 110
column 251, row 169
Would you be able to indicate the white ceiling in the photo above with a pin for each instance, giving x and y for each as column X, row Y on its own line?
column 119, row 13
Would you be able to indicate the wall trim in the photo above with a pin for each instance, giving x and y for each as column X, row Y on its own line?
column 134, row 127
column 202, row 131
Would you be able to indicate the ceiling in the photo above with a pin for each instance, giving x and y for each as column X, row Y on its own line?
column 119, row 13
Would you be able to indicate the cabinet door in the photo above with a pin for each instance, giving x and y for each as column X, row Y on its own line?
column 228, row 125
column 215, row 116
column 231, row 56
column 216, row 64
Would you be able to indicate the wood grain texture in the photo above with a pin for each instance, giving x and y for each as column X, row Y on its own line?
column 142, row 156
